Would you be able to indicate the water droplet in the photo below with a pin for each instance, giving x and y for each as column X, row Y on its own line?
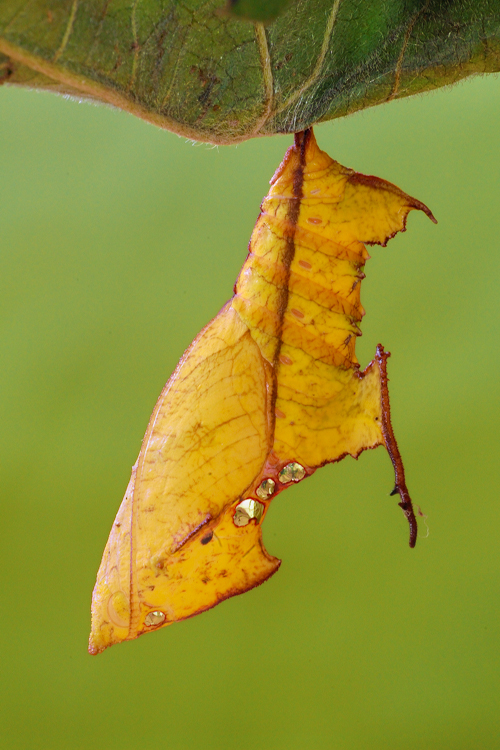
column 293, row 472
column 241, row 517
column 246, row 510
column 154, row 618
column 266, row 489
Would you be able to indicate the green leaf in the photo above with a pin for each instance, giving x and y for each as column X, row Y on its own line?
column 187, row 67
column 257, row 10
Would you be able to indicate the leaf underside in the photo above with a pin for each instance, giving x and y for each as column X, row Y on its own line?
column 191, row 68
column 257, row 10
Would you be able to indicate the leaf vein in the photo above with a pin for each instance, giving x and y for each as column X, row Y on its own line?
column 67, row 33
column 267, row 74
column 319, row 62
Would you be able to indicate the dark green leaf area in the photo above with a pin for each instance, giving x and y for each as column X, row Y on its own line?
column 256, row 10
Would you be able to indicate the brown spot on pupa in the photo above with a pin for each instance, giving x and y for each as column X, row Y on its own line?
column 280, row 414
column 285, row 360
column 297, row 313
column 314, row 220
column 305, row 264
column 208, row 538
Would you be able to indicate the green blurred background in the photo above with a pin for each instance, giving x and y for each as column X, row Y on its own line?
column 119, row 242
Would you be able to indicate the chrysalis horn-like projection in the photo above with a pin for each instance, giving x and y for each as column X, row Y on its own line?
column 268, row 392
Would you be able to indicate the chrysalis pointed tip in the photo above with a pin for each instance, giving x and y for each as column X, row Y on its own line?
column 92, row 649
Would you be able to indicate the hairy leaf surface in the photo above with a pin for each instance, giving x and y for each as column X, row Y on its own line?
column 191, row 68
